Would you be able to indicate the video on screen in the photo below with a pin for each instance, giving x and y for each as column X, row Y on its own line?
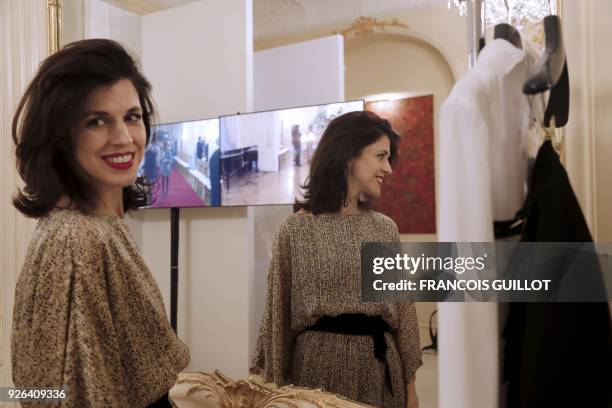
column 265, row 156
column 183, row 163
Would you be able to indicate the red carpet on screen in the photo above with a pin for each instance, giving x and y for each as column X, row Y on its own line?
column 180, row 193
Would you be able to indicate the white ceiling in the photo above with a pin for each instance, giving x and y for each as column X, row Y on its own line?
column 278, row 17
column 265, row 7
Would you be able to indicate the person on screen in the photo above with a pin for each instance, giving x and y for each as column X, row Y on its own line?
column 296, row 140
column 151, row 162
column 310, row 142
column 215, row 179
column 316, row 332
column 88, row 314
column 200, row 148
column 166, row 168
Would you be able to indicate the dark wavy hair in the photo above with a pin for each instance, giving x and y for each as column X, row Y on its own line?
column 47, row 113
column 326, row 188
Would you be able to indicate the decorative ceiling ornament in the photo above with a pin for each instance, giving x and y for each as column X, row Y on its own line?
column 365, row 26
column 143, row 7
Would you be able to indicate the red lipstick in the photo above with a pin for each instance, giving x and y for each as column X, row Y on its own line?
column 119, row 161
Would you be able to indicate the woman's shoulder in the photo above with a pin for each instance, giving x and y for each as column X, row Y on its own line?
column 295, row 223
column 298, row 219
column 382, row 224
column 65, row 237
column 291, row 221
column 72, row 227
column 303, row 217
column 365, row 213
column 383, row 219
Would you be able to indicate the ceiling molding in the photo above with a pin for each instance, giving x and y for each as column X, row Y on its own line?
column 142, row 7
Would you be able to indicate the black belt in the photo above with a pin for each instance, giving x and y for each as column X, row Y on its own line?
column 163, row 402
column 360, row 325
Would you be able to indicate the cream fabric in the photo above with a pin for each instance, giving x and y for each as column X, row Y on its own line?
column 483, row 128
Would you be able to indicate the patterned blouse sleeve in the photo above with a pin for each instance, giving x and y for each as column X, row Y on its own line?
column 273, row 351
column 407, row 335
column 64, row 336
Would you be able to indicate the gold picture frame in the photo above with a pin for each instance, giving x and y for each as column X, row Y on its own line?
column 54, row 25
column 216, row 390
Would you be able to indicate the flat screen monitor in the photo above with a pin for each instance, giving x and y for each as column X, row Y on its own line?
column 183, row 163
column 265, row 156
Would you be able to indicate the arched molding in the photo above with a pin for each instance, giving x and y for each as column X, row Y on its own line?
column 411, row 37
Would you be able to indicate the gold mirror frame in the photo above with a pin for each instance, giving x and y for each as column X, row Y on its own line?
column 216, row 390
column 54, row 25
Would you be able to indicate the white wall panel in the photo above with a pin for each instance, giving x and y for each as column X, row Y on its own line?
column 306, row 73
column 197, row 58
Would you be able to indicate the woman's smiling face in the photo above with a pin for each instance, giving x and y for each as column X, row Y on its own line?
column 367, row 171
column 109, row 139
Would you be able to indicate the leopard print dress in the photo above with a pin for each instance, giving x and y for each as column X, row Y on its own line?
column 89, row 316
column 315, row 272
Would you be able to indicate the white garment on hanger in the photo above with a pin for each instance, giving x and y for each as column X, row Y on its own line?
column 483, row 166
column 482, row 161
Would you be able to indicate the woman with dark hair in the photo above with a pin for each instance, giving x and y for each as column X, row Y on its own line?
column 316, row 332
column 88, row 314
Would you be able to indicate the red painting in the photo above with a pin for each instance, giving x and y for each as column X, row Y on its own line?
column 408, row 195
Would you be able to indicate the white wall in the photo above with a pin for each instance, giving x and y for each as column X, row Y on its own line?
column 125, row 27
column 197, row 58
column 96, row 19
column 588, row 145
column 281, row 68
column 103, row 20
column 72, row 20
column 306, row 73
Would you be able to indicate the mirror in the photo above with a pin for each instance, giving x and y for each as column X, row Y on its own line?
column 404, row 63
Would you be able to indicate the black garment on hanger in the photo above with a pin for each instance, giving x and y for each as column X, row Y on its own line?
column 556, row 354
column 552, row 73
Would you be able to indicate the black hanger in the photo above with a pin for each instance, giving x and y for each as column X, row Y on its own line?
column 551, row 73
column 509, row 33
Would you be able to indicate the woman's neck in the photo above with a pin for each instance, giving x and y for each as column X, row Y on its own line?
column 111, row 203
column 351, row 205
